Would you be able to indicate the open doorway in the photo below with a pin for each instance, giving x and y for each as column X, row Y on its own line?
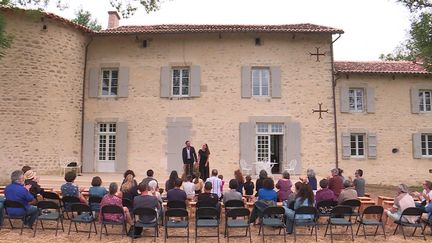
column 270, row 145
column 276, row 152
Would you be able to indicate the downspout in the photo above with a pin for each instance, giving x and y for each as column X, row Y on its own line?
column 334, row 78
column 83, row 98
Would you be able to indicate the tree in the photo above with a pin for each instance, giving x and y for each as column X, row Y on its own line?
column 419, row 42
column 84, row 18
column 5, row 39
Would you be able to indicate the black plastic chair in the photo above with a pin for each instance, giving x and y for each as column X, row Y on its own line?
column 374, row 213
column 427, row 223
column 234, row 204
column 325, row 208
column 355, row 205
column 206, row 217
column 149, row 213
column 112, row 209
column 238, row 217
column 68, row 201
column 47, row 195
column 176, row 204
column 176, row 224
column 94, row 203
column 340, row 216
column 205, row 204
column 403, row 222
column 49, row 211
column 127, row 203
column 82, row 213
column 273, row 217
column 309, row 223
column 8, row 204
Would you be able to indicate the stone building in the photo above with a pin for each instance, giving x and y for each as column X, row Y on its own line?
column 130, row 96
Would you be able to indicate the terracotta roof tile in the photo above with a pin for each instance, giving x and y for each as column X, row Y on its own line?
column 392, row 67
column 187, row 28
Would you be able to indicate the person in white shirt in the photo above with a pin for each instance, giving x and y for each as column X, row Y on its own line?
column 216, row 183
column 189, row 187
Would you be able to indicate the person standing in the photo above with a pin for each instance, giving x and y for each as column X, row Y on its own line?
column 203, row 158
column 189, row 158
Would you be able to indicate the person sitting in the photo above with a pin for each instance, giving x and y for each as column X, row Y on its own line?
column 304, row 197
column 96, row 190
column 335, row 182
column 189, row 188
column 129, row 187
column 402, row 201
column 324, row 194
column 16, row 191
column 198, row 183
column 207, row 198
column 232, row 194
column 25, row 168
column 177, row 194
column 170, row 183
column 249, row 187
column 266, row 197
column 259, row 182
column 284, row 185
column 348, row 193
column 153, row 186
column 359, row 182
column 150, row 177
column 147, row 200
column 240, row 180
column 31, row 179
column 425, row 195
column 216, row 183
column 112, row 199
column 291, row 199
column 70, row 189
column 311, row 177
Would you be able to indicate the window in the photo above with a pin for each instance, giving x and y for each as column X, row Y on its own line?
column 426, row 145
column 109, row 86
column 260, row 81
column 356, row 98
column 180, row 81
column 357, row 144
column 107, row 141
column 425, row 100
column 269, row 140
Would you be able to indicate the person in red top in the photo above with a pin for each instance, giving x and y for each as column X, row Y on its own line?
column 335, row 182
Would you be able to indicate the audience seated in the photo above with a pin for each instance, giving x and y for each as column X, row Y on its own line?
column 189, row 188
column 292, row 196
column 150, row 177
column 177, row 194
column 207, row 198
column 96, row 190
column 31, row 179
column 70, row 189
column 359, row 182
column 249, row 187
column 324, row 194
column 170, row 183
column 266, row 197
column 401, row 202
column 129, row 187
column 198, row 183
column 232, row 194
column 336, row 182
column 112, row 199
column 259, row 182
column 147, row 200
column 304, row 197
column 348, row 193
column 311, row 178
column 284, row 185
column 425, row 195
column 16, row 191
column 240, row 180
column 216, row 183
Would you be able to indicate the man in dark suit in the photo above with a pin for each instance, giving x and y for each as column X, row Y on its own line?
column 189, row 158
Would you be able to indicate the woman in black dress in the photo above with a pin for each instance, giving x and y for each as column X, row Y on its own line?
column 203, row 158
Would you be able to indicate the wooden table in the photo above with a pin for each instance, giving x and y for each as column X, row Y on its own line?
column 381, row 199
column 365, row 198
column 365, row 204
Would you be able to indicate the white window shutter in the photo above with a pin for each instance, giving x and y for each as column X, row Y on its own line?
column 88, row 151
column 276, row 82
column 346, row 145
column 370, row 100
column 123, row 85
column 165, row 81
column 195, row 81
column 344, row 95
column 93, row 85
column 417, row 149
column 121, row 146
column 372, row 146
column 415, row 100
column 246, row 82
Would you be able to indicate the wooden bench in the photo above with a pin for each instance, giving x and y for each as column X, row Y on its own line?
column 365, row 198
column 381, row 199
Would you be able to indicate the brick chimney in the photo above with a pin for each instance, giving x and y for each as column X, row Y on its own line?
column 113, row 19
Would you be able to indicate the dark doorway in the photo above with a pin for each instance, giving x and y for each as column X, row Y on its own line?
column 276, row 150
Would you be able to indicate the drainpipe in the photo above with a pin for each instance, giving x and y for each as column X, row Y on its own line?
column 334, row 78
column 83, row 98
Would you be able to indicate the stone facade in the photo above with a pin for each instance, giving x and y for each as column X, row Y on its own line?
column 41, row 95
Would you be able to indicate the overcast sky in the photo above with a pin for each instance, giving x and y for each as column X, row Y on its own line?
column 371, row 27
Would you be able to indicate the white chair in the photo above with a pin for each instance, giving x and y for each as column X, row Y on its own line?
column 291, row 166
column 64, row 162
column 246, row 169
column 264, row 165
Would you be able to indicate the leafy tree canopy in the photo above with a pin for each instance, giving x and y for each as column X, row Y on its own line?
column 84, row 18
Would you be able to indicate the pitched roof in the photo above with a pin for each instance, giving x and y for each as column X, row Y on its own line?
column 188, row 28
column 390, row 67
column 48, row 15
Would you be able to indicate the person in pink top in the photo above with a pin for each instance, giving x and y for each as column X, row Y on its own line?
column 284, row 185
column 112, row 199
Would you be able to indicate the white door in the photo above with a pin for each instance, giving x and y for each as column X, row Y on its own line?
column 106, row 147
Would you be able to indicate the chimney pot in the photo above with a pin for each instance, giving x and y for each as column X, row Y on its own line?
column 113, row 19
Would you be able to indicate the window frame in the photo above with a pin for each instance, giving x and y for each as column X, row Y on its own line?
column 110, row 79
column 423, row 100
column 356, row 110
column 109, row 134
column 428, row 138
column 260, row 81
column 180, row 87
column 356, row 147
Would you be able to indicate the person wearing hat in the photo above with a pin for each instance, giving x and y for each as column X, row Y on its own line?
column 402, row 201
column 32, row 180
